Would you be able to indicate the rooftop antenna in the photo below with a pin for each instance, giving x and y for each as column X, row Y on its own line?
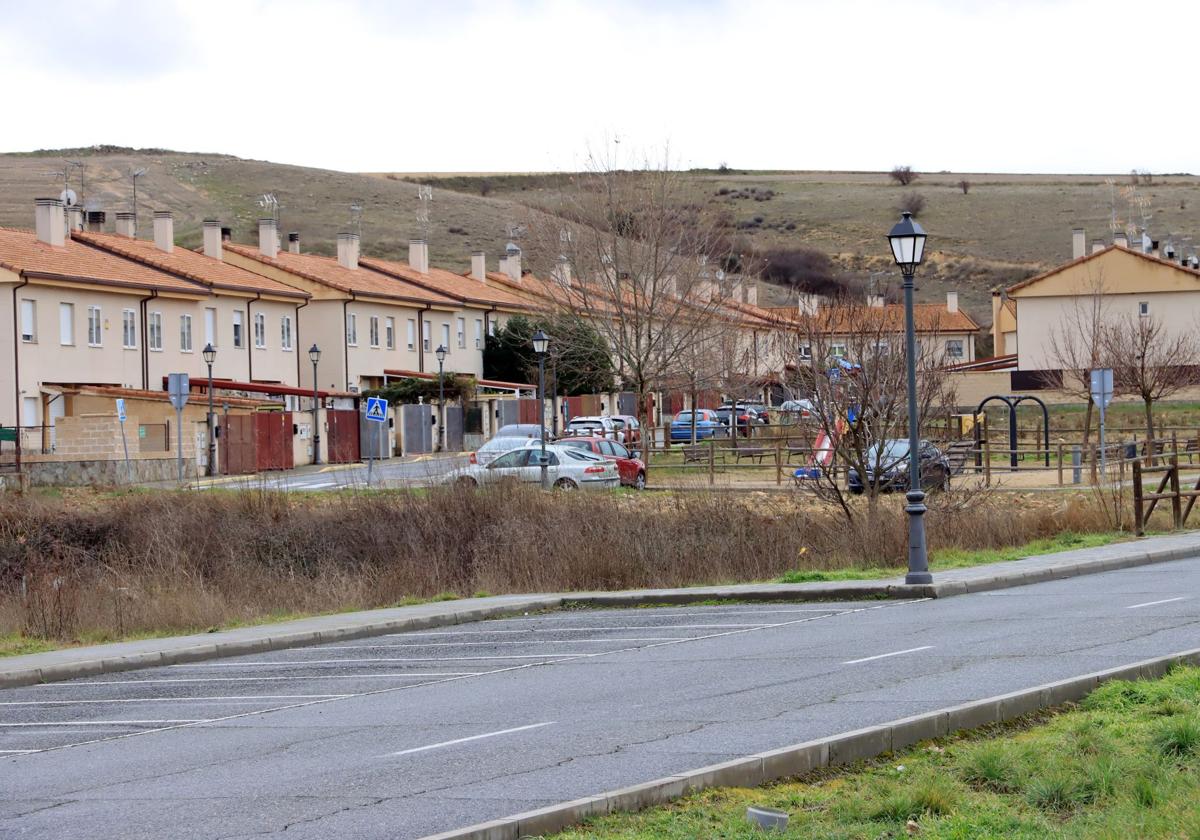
column 270, row 203
column 134, row 175
column 78, row 164
column 425, row 201
column 356, row 216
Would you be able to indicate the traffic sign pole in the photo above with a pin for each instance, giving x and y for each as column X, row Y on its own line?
column 376, row 413
column 178, row 386
column 124, row 443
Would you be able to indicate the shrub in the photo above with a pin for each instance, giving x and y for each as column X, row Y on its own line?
column 965, row 186
column 912, row 202
column 1177, row 737
column 806, row 269
column 992, row 766
column 903, row 175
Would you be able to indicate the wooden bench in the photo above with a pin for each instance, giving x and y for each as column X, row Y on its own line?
column 754, row 453
column 699, row 454
column 803, row 451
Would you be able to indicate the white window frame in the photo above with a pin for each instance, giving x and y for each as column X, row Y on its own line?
column 285, row 333
column 838, row 351
column 373, row 331
column 389, row 332
column 806, row 351
column 129, row 329
column 962, row 348
column 260, row 331
column 185, row 334
column 239, row 329
column 28, row 321
column 426, row 331
column 446, row 337
column 462, row 333
column 492, row 327
column 210, row 326
column 412, row 334
column 66, row 337
column 351, row 329
column 95, row 326
column 154, row 332
column 478, row 333
column 1143, row 308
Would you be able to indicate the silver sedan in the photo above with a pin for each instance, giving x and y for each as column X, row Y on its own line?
column 566, row 469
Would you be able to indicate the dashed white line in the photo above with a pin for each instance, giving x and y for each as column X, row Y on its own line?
column 428, row 747
column 1156, row 603
column 886, row 655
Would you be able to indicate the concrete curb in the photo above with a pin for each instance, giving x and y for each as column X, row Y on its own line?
column 69, row 663
column 799, row 759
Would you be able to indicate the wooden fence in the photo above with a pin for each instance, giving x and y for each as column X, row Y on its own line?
column 1170, row 489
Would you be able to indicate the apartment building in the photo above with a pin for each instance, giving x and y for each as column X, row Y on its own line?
column 363, row 321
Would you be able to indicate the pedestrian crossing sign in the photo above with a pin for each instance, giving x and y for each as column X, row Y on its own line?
column 377, row 409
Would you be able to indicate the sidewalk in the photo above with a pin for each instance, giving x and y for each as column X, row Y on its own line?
column 123, row 656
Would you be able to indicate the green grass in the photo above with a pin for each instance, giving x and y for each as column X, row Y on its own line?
column 957, row 558
column 1123, row 765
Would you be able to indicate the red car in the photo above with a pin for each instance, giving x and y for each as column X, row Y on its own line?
column 631, row 468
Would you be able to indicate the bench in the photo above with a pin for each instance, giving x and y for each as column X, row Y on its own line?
column 754, row 453
column 699, row 454
column 803, row 451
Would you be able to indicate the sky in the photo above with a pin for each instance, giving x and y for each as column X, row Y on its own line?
column 539, row 85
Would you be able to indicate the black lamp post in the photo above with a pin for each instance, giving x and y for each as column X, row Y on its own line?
column 907, row 239
column 440, row 352
column 314, row 355
column 210, row 355
column 541, row 345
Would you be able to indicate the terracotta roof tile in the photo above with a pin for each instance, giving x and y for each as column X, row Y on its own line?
column 927, row 317
column 190, row 264
column 21, row 251
column 447, row 283
column 329, row 272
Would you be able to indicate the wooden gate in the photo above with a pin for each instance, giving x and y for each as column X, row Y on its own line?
column 238, row 445
column 273, row 440
column 342, row 436
column 530, row 409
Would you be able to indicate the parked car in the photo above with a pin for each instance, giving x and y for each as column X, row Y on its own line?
column 498, row 445
column 629, row 430
column 519, row 430
column 746, row 417
column 631, row 468
column 599, row 426
column 706, row 423
column 793, row 410
column 890, row 458
column 567, row 468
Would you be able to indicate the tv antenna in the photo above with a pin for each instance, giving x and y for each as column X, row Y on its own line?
column 134, row 175
column 356, row 216
column 270, row 203
column 425, row 201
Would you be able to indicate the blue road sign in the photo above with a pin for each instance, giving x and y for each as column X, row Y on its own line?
column 377, row 409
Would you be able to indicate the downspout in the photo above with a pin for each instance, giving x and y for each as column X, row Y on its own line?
column 250, row 344
column 16, row 359
column 297, row 344
column 421, row 337
column 146, row 339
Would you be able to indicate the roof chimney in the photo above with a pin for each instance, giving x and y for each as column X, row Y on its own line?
column 212, row 239
column 562, row 271
column 226, row 234
column 875, row 301
column 347, row 245
column 95, row 221
column 125, row 224
column 951, row 301
column 1078, row 243
column 1195, row 261
column 479, row 266
column 418, row 255
column 808, row 303
column 752, row 293
column 1097, row 245
column 268, row 238
column 1154, row 248
column 510, row 263
column 293, row 243
column 48, row 221
column 74, row 218
column 1121, row 239
column 164, row 231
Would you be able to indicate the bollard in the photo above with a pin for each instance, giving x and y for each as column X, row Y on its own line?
column 1076, row 464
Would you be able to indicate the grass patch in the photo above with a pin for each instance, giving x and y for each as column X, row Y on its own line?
column 1113, row 767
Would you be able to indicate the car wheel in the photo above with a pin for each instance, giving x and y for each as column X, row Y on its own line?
column 564, row 484
column 639, row 483
column 466, row 481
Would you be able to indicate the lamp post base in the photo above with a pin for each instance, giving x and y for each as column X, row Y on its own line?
column 918, row 565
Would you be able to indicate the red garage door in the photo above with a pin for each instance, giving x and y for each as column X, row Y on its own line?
column 273, row 439
column 342, row 429
column 237, row 445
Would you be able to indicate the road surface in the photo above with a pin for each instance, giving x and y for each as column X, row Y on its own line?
column 405, row 735
column 386, row 473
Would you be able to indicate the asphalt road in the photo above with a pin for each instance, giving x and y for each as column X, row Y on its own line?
column 405, row 735
column 386, row 473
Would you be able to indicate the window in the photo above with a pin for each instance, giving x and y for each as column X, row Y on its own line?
column 28, row 321
column 462, row 332
column 509, row 460
column 838, row 351
column 95, row 334
column 373, row 327
column 412, row 334
column 285, row 333
column 210, row 326
column 478, row 333
column 883, row 348
column 492, row 328
column 446, row 337
column 1144, row 308
column 185, row 333
column 954, row 348
column 128, row 329
column 238, row 326
column 260, row 331
column 805, row 351
column 66, row 323
column 351, row 329
column 425, row 335
column 389, row 331
column 154, row 332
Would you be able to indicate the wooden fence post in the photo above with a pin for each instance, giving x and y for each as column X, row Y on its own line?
column 778, row 463
column 1139, row 510
column 1176, row 499
column 987, row 462
column 1095, row 464
column 1060, row 463
column 712, row 461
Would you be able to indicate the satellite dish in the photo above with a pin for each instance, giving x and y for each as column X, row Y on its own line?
column 720, row 274
column 68, row 197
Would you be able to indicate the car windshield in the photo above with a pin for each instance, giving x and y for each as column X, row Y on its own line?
column 892, row 451
column 686, row 416
column 503, row 444
column 577, row 444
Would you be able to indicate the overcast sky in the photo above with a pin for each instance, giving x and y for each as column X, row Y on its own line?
column 454, row 85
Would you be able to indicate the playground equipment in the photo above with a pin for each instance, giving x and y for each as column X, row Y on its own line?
column 826, row 443
column 1012, row 401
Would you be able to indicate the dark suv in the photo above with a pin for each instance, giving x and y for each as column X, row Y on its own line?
column 889, row 461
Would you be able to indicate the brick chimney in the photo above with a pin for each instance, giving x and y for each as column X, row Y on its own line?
column 479, row 266
column 74, row 218
column 1078, row 243
column 268, row 238
column 951, row 302
column 418, row 255
column 48, row 221
column 293, row 243
column 347, row 250
column 212, row 240
column 95, row 221
column 126, row 223
column 164, row 231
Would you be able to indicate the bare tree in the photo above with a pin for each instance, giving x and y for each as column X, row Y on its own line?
column 903, row 175
column 636, row 260
column 1150, row 361
column 1077, row 345
column 965, row 186
column 911, row 202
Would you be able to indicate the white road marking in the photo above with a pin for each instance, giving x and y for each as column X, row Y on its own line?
column 472, row 738
column 315, row 486
column 565, row 630
column 886, row 655
column 398, row 675
column 519, row 642
column 583, row 616
column 299, row 662
column 1156, row 603
column 107, row 722
column 236, row 699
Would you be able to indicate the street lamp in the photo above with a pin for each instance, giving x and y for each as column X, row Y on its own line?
column 541, row 345
column 440, row 352
column 907, row 239
column 314, row 355
column 210, row 355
